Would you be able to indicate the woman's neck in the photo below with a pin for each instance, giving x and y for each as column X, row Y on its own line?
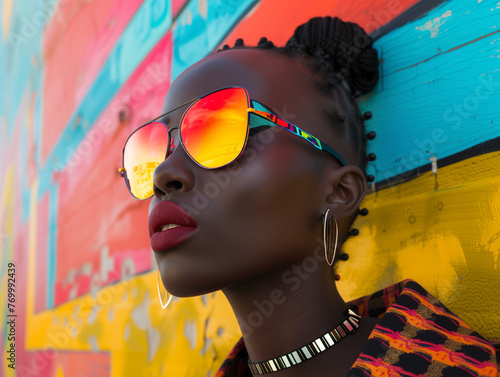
column 285, row 310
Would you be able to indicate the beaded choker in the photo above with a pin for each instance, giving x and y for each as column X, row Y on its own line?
column 311, row 349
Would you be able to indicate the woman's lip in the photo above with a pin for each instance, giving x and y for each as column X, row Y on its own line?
column 167, row 213
column 167, row 239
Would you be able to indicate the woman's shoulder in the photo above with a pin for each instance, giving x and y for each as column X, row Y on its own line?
column 418, row 335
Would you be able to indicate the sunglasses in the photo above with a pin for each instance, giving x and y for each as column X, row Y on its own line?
column 213, row 131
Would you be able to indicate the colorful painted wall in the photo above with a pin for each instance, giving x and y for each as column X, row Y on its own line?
column 77, row 76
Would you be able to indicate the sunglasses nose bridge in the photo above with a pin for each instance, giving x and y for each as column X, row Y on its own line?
column 174, row 173
column 174, row 141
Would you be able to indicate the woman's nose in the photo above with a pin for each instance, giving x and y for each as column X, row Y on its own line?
column 175, row 174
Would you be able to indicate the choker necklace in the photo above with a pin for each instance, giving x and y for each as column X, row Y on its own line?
column 321, row 344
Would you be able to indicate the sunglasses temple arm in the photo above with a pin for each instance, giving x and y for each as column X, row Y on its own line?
column 297, row 131
column 331, row 151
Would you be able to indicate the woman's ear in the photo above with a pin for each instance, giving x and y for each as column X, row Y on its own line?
column 347, row 188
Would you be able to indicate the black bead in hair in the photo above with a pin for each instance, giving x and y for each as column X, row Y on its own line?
column 262, row 41
column 265, row 43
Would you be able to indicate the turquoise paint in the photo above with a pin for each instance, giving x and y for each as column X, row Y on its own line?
column 148, row 26
column 52, row 244
column 38, row 124
column 20, row 74
column 416, row 110
column 22, row 150
column 18, row 53
column 3, row 98
column 195, row 35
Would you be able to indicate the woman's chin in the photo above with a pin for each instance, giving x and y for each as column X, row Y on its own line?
column 189, row 289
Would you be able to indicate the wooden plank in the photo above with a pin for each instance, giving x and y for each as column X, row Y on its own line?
column 417, row 10
column 477, row 150
column 269, row 19
column 200, row 27
column 446, row 239
column 439, row 88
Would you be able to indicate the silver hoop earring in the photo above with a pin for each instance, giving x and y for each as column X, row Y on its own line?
column 327, row 237
column 159, row 294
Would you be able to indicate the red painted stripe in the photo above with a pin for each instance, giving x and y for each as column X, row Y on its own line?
column 42, row 232
column 97, row 215
column 277, row 19
column 76, row 43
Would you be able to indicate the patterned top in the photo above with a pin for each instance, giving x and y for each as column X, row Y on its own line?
column 416, row 336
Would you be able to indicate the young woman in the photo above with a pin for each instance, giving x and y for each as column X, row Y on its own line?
column 256, row 170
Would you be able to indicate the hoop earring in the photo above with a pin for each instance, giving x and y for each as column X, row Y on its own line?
column 159, row 294
column 327, row 239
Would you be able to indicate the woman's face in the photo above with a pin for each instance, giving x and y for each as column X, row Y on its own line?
column 262, row 213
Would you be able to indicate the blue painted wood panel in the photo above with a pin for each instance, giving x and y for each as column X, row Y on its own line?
column 200, row 29
column 439, row 89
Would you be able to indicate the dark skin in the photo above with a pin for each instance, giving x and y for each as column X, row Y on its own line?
column 258, row 239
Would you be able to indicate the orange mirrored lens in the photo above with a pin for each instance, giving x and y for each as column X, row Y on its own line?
column 145, row 150
column 214, row 129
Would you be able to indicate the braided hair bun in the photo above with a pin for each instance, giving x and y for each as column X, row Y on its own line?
column 342, row 48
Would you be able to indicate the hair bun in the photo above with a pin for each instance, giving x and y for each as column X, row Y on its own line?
column 341, row 47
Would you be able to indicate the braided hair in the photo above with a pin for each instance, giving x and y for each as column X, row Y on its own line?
column 344, row 66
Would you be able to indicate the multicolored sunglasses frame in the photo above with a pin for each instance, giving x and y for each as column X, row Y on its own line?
column 258, row 116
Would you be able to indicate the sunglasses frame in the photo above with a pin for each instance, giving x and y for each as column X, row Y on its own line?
column 273, row 118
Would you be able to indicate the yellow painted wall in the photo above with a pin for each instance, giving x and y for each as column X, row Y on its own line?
column 447, row 239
